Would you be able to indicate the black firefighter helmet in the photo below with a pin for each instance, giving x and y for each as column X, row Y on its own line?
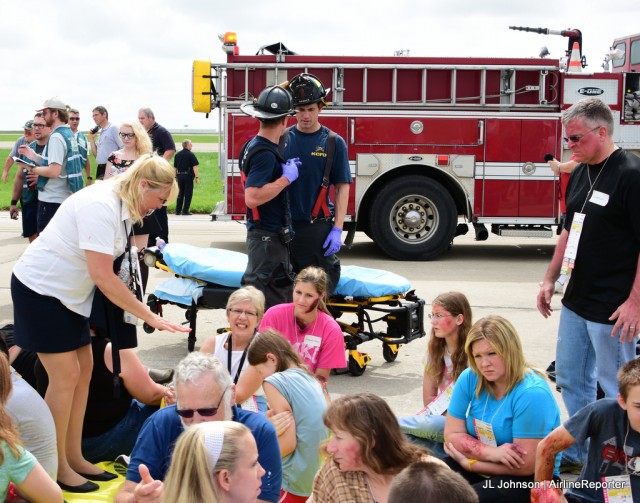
column 307, row 89
column 273, row 102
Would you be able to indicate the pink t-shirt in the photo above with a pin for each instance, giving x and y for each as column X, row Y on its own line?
column 320, row 344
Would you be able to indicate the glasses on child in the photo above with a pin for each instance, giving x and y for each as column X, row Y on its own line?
column 207, row 412
column 438, row 316
column 126, row 135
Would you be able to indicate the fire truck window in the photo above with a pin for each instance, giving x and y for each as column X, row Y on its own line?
column 634, row 57
column 620, row 62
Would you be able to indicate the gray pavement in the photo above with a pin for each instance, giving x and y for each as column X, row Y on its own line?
column 499, row 276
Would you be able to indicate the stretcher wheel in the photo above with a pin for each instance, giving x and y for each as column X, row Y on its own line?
column 187, row 314
column 148, row 328
column 388, row 353
column 354, row 367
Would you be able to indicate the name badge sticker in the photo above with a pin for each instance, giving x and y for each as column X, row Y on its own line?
column 440, row 404
column 617, row 489
column 485, row 434
column 599, row 198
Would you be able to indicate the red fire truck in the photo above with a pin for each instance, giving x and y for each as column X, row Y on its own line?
column 434, row 143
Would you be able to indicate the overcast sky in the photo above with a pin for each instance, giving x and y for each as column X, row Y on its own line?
column 133, row 53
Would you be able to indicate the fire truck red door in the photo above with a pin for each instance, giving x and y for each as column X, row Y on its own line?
column 515, row 181
column 538, row 186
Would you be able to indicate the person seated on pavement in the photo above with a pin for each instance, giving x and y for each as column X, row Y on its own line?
column 112, row 420
column 501, row 408
column 34, row 421
column 292, row 388
column 613, row 429
column 245, row 308
column 18, row 466
column 214, row 462
column 307, row 324
column 204, row 392
column 366, row 451
column 443, row 363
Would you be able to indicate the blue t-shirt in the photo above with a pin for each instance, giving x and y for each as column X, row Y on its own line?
column 160, row 432
column 264, row 168
column 304, row 394
column 529, row 410
column 312, row 151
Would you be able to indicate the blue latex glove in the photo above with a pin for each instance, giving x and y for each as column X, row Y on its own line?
column 290, row 169
column 333, row 243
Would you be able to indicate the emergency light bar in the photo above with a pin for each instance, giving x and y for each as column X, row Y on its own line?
column 229, row 43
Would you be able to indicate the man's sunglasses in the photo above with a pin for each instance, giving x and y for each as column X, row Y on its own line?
column 575, row 138
column 208, row 412
column 74, row 118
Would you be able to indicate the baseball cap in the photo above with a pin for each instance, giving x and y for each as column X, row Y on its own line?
column 54, row 103
column 28, row 125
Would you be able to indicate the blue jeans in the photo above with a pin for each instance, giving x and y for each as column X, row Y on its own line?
column 119, row 439
column 585, row 354
column 427, row 431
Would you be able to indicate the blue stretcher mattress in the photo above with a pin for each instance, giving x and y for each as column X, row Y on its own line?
column 225, row 267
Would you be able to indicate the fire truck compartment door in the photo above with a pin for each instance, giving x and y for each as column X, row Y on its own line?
column 416, row 131
column 514, row 180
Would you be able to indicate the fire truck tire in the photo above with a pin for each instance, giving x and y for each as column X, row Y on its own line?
column 413, row 218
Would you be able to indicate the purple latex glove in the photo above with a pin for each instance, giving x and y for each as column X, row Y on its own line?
column 333, row 243
column 290, row 169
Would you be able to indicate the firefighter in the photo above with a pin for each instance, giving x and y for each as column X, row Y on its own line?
column 317, row 222
column 266, row 177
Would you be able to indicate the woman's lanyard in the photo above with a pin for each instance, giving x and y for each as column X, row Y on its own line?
column 242, row 358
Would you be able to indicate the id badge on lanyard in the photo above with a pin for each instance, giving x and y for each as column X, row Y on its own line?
column 617, row 489
column 484, row 432
column 571, row 250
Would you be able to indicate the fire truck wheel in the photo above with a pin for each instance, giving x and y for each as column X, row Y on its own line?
column 413, row 218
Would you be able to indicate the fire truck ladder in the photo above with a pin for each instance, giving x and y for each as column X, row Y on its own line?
column 413, row 85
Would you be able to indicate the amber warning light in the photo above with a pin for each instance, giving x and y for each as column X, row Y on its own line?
column 229, row 43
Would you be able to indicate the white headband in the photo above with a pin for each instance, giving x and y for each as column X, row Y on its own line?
column 214, row 439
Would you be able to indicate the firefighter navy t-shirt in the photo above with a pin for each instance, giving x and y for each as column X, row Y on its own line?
column 312, row 151
column 264, row 168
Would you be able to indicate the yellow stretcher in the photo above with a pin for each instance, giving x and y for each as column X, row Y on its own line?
column 205, row 277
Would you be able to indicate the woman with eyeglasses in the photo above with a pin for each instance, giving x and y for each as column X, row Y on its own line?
column 443, row 363
column 500, row 410
column 53, row 285
column 290, row 387
column 136, row 142
column 245, row 308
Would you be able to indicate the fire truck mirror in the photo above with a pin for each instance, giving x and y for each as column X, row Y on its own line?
column 201, row 86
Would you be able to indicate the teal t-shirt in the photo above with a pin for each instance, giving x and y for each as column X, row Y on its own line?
column 14, row 469
column 529, row 410
column 305, row 395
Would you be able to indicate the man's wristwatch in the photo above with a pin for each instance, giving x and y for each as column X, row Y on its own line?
column 89, row 178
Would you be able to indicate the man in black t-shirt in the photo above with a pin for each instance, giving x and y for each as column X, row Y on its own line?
column 600, row 244
column 163, row 145
column 186, row 164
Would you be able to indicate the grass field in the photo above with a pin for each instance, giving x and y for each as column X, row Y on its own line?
column 178, row 138
column 205, row 195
